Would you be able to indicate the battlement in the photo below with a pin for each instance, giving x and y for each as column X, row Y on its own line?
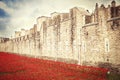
column 2, row 39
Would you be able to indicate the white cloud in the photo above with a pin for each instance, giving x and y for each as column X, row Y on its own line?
column 23, row 13
column 6, row 8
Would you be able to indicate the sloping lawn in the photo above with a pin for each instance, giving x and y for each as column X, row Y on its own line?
column 15, row 67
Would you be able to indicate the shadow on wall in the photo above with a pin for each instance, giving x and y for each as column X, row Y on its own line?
column 114, row 73
column 113, row 68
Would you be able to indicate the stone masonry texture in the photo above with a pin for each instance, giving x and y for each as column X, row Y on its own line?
column 75, row 37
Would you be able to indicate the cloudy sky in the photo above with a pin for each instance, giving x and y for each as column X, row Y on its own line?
column 17, row 14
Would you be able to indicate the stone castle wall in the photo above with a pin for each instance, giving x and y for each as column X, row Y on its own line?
column 77, row 36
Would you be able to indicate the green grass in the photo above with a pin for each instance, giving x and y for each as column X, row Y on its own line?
column 113, row 76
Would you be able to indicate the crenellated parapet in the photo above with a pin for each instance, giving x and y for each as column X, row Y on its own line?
column 3, row 40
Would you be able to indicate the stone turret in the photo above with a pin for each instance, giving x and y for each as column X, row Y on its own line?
column 96, row 6
column 40, row 21
column 102, row 6
column 114, row 9
column 23, row 32
column 96, row 12
column 17, row 34
column 54, row 14
column 113, row 3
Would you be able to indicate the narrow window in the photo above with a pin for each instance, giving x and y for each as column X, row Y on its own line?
column 84, row 46
column 107, row 45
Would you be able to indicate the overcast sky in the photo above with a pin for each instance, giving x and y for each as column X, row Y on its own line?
column 17, row 14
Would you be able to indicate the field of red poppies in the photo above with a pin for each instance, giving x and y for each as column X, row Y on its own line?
column 15, row 67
